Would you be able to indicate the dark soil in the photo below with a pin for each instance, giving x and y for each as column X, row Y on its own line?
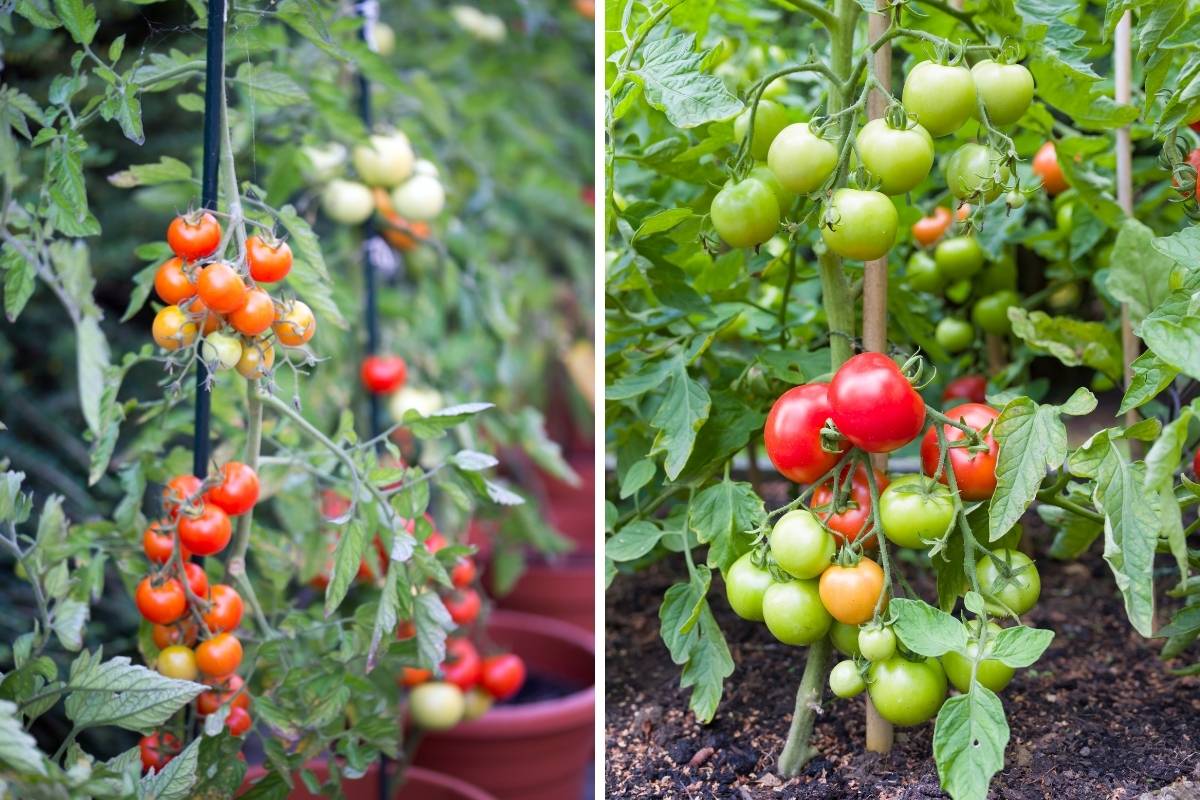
column 1099, row 716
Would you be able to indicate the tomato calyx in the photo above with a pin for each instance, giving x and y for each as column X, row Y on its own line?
column 897, row 117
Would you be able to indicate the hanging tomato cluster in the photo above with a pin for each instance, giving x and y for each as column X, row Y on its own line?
column 183, row 609
column 467, row 684
column 224, row 303
column 810, row 577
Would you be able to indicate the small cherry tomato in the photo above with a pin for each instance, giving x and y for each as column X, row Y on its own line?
column 200, row 315
column 219, row 656
column 157, row 750
column 171, row 283
column 221, row 288
column 178, row 491
column 230, row 690
column 876, row 642
column 197, row 579
column 268, row 261
column 928, row 230
column 462, row 666
column 257, row 359
column 414, row 676
column 503, row 675
column 464, row 606
column 464, row 572
column 159, row 545
column 845, row 680
column 383, row 374
column 296, row 326
column 255, row 315
column 745, row 585
column 849, row 523
column 436, row 705
column 225, row 609
column 238, row 721
column 1045, row 166
column 162, row 603
column 177, row 662
column 207, row 532
column 193, row 236
column 182, row 632
column 238, row 490
column 172, row 329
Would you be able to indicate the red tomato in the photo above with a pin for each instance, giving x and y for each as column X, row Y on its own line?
column 219, row 656
column 503, row 675
column 171, row 283
column 178, row 491
column 414, row 676
column 874, row 405
column 928, row 230
column 434, row 542
column 182, row 632
column 238, row 721
column 333, row 505
column 793, row 433
column 256, row 314
column 1045, row 165
column 464, row 606
column 462, row 666
column 1196, row 464
column 206, row 533
column 230, row 690
column 464, row 572
column 163, row 603
column 238, row 490
column 159, row 545
column 221, row 288
column 854, row 520
column 383, row 374
column 194, row 236
column 225, row 609
column 972, row 388
column 157, row 750
column 974, row 472
column 268, row 261
column 197, row 579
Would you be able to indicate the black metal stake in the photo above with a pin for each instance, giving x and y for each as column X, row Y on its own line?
column 214, row 79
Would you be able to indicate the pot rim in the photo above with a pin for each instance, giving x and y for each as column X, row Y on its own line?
column 423, row 774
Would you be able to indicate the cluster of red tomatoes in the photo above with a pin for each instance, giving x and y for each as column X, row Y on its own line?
column 466, row 684
column 184, row 609
column 896, row 150
column 206, row 295
column 799, row 584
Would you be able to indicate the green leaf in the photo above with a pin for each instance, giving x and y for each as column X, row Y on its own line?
column 268, row 87
column 432, row 621
column 1073, row 342
column 680, row 415
column 1138, row 276
column 309, row 276
column 709, row 664
column 116, row 48
column 1163, row 457
column 1150, row 376
column 78, row 18
column 1182, row 247
column 925, row 630
column 473, row 461
column 347, row 558
column 1019, row 646
column 165, row 170
column 969, row 738
column 633, row 541
column 119, row 693
column 176, row 779
column 671, row 77
column 637, row 476
column 20, row 277
column 1172, row 331
column 1033, row 440
column 1073, row 534
column 720, row 516
column 17, row 748
column 69, row 618
column 92, row 360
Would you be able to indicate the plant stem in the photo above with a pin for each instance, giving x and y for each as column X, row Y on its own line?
column 796, row 751
column 241, row 541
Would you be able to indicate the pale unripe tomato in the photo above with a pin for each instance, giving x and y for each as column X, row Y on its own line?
column 385, row 160
column 437, row 705
column 321, row 163
column 347, row 202
column 423, row 166
column 221, row 350
column 384, row 39
column 419, row 198
column 424, row 400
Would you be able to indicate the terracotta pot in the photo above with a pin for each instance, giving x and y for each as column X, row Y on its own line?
column 564, row 589
column 419, row 784
column 530, row 751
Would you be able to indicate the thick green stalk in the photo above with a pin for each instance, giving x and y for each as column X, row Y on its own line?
column 796, row 751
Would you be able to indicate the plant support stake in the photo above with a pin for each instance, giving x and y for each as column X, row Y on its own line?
column 1122, row 90
column 214, row 79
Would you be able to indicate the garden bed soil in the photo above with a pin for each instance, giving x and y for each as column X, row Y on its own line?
column 1099, row 716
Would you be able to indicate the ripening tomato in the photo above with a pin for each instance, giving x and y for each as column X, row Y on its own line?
column 256, row 360
column 161, row 603
column 229, row 690
column 193, row 236
column 850, row 593
column 801, row 160
column 901, row 159
column 414, row 676
column 182, row 632
column 238, row 721
column 873, row 404
column 172, row 329
column 178, row 492
column 462, row 666
column 1006, row 90
column 745, row 214
column 159, row 545
column 221, row 288
column 793, row 612
column 269, row 260
column 436, row 705
column 852, row 521
column 238, row 490
column 503, row 675
column 208, row 321
column 177, row 662
column 347, row 202
column 907, row 692
column 800, row 545
column 383, row 374
column 745, row 584
column 792, row 434
column 975, row 473
column 256, row 314
column 207, row 532
column 941, row 97
column 464, row 606
column 197, row 579
column 1045, row 166
column 972, row 388
column 463, row 573
column 157, row 750
column 221, row 351
column 478, row 703
column 225, row 609
column 385, row 159
column 861, row 225
column 171, row 283
column 296, row 326
column 928, row 230
column 219, row 656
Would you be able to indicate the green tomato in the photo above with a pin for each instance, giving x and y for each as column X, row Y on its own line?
column 901, row 159
column 907, row 692
column 1006, row 90
column 922, row 273
column 436, row 705
column 991, row 673
column 770, row 119
column 863, row 224
column 845, row 680
column 745, row 584
column 845, row 638
column 941, row 97
column 958, row 291
column 776, row 89
column 801, row 545
column 794, row 613
column 991, row 312
column 745, row 214
column 800, row 159
column 877, row 642
column 958, row 257
column 1064, row 218
column 1102, row 257
column 954, row 334
column 1015, row 199
column 1016, row 594
column 915, row 510
column 999, row 275
column 973, row 170
column 763, row 174
column 1064, row 297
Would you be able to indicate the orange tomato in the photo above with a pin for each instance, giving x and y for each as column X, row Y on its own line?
column 849, row 593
